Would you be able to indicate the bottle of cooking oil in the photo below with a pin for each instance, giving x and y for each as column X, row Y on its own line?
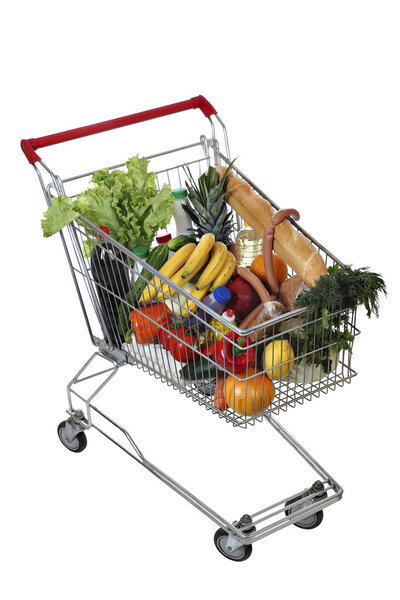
column 248, row 245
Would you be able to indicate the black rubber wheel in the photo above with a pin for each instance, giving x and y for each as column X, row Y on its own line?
column 310, row 522
column 79, row 442
column 238, row 555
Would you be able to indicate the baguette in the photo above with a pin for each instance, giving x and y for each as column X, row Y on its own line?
column 289, row 243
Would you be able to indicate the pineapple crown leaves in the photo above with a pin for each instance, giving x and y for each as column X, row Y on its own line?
column 208, row 183
column 206, row 206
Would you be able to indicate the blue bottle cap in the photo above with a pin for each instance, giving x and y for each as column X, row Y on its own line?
column 222, row 294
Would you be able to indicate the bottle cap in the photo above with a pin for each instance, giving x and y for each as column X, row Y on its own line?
column 222, row 294
column 179, row 193
column 105, row 229
column 229, row 315
column 164, row 238
column 141, row 251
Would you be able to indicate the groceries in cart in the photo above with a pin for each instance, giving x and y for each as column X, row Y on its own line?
column 240, row 314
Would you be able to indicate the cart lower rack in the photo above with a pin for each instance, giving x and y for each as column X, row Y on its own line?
column 299, row 379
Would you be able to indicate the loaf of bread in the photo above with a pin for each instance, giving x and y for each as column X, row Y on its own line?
column 289, row 291
column 289, row 243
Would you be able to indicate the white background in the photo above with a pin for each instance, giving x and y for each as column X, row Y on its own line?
column 310, row 95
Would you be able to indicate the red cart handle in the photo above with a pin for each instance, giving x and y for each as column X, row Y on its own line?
column 29, row 146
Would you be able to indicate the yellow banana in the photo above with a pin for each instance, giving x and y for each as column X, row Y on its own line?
column 177, row 279
column 202, row 249
column 189, row 305
column 215, row 264
column 168, row 270
column 225, row 273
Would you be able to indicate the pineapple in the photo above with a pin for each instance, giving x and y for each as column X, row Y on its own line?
column 207, row 207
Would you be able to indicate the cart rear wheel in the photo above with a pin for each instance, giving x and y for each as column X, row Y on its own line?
column 240, row 554
column 78, row 444
column 310, row 522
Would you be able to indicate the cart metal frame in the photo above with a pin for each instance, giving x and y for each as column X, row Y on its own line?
column 233, row 540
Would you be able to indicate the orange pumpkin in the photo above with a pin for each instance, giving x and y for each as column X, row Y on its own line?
column 249, row 396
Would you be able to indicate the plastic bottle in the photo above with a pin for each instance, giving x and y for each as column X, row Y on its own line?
column 229, row 316
column 141, row 252
column 248, row 245
column 182, row 220
column 216, row 301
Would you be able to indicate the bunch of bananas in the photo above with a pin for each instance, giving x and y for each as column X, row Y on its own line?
column 219, row 266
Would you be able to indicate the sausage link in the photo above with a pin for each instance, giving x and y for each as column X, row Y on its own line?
column 278, row 217
column 232, row 248
column 255, row 283
column 251, row 316
column 269, row 263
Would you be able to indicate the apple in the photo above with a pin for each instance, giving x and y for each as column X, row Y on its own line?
column 244, row 298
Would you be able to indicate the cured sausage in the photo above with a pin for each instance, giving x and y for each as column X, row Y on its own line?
column 269, row 263
column 255, row 283
column 282, row 214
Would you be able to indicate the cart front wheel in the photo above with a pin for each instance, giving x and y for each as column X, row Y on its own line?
column 310, row 522
column 77, row 444
column 238, row 555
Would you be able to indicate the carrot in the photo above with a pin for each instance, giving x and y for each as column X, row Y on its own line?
column 219, row 394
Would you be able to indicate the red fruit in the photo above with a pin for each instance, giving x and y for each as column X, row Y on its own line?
column 244, row 297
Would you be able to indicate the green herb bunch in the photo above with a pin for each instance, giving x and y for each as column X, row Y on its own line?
column 324, row 332
column 341, row 290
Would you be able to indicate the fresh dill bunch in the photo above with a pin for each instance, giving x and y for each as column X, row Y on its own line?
column 344, row 288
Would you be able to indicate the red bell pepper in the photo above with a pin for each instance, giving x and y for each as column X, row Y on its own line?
column 175, row 342
column 209, row 348
column 231, row 357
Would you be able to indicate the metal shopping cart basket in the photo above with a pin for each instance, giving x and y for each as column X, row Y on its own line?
column 298, row 380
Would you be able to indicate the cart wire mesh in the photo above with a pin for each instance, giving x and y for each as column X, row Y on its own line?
column 322, row 344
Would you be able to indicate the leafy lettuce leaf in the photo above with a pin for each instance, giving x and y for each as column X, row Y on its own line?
column 61, row 212
column 127, row 202
column 96, row 206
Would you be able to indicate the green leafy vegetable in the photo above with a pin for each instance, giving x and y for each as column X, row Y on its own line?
column 127, row 202
column 322, row 332
column 343, row 288
column 61, row 212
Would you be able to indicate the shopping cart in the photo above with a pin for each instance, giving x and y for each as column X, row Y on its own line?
column 299, row 380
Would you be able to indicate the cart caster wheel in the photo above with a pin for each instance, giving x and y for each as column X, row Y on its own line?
column 310, row 522
column 78, row 444
column 240, row 554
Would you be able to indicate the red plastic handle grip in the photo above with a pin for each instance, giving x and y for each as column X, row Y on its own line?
column 30, row 145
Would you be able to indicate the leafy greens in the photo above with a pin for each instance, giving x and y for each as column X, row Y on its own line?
column 127, row 202
column 341, row 290
column 345, row 287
